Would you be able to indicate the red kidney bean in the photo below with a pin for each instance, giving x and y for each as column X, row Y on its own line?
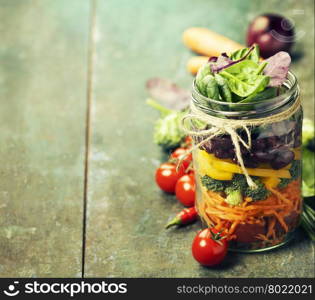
column 249, row 161
column 273, row 142
column 283, row 157
column 259, row 144
column 223, row 142
column 264, row 157
column 221, row 153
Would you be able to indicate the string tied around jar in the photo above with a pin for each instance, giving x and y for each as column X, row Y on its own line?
column 220, row 126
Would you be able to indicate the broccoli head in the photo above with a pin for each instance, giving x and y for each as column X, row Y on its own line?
column 283, row 183
column 168, row 132
column 259, row 193
column 233, row 196
column 213, row 184
column 239, row 182
column 236, row 188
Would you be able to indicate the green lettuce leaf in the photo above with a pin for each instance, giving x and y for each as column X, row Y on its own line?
column 244, row 85
column 254, row 55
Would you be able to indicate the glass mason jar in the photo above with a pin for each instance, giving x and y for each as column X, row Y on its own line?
column 266, row 217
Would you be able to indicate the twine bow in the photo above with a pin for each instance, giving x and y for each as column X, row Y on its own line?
column 221, row 126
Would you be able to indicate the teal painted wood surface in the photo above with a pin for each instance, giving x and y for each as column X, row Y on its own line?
column 49, row 82
column 43, row 78
column 126, row 211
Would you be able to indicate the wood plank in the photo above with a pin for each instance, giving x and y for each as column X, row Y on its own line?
column 43, row 70
column 126, row 211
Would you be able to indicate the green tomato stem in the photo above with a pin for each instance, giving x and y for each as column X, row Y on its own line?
column 175, row 221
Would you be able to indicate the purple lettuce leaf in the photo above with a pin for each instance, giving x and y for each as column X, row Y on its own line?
column 168, row 93
column 223, row 61
column 277, row 68
column 213, row 59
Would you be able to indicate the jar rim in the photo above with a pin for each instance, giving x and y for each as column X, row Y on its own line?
column 250, row 108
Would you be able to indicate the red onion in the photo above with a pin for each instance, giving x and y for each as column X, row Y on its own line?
column 273, row 33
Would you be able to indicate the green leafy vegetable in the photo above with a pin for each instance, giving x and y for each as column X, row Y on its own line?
column 308, row 185
column 209, row 88
column 212, row 88
column 241, row 77
column 308, row 136
column 261, row 68
column 212, row 184
column 253, row 55
column 243, row 68
column 224, row 89
column 245, row 85
column 308, row 158
column 202, row 73
column 236, row 187
column 267, row 93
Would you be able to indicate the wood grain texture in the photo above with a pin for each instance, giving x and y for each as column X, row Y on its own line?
column 43, row 66
column 126, row 211
column 43, row 86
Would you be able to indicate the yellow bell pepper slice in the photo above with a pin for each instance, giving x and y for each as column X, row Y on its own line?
column 230, row 167
column 215, row 174
column 205, row 167
column 297, row 153
column 271, row 182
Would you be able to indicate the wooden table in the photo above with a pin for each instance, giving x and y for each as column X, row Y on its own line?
column 77, row 196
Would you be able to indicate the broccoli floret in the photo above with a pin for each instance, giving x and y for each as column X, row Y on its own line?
column 283, row 183
column 234, row 191
column 213, row 184
column 233, row 196
column 236, row 188
column 168, row 131
column 295, row 171
column 259, row 193
column 239, row 182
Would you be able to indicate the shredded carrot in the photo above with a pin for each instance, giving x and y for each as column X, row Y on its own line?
column 271, row 226
column 262, row 237
column 233, row 227
column 280, row 204
column 281, row 221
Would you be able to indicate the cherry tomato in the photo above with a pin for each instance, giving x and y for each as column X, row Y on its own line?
column 182, row 152
column 185, row 190
column 166, row 177
column 209, row 249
